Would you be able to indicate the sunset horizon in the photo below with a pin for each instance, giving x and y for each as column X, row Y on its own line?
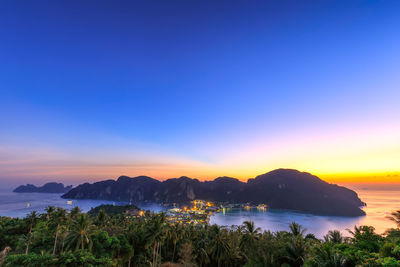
column 201, row 133
column 384, row 180
column 209, row 93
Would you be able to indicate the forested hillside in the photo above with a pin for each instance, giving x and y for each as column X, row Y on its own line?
column 62, row 238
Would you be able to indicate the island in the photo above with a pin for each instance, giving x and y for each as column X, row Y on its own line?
column 282, row 189
column 46, row 188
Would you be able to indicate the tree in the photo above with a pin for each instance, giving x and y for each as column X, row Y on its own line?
column 74, row 213
column 249, row 237
column 219, row 246
column 296, row 251
column 395, row 217
column 126, row 250
column 102, row 218
column 365, row 238
column 80, row 233
column 59, row 218
column 140, row 240
column 157, row 230
column 49, row 212
column 296, row 229
column 174, row 233
column 81, row 258
column 325, row 256
column 31, row 260
column 152, row 241
column 31, row 218
column 334, row 237
column 186, row 255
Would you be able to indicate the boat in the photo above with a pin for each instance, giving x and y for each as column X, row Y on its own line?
column 262, row 206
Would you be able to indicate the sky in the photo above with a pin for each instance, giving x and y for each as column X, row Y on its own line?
column 91, row 90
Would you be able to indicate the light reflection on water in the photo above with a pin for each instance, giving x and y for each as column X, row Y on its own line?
column 379, row 204
column 16, row 204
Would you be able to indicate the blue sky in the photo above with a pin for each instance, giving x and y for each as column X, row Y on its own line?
column 203, row 88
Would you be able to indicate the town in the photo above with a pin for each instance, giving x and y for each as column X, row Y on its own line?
column 200, row 211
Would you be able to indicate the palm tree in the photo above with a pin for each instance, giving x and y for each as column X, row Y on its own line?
column 363, row 232
column 334, row 237
column 49, row 212
column 60, row 219
column 26, row 239
column 200, row 241
column 156, row 229
column 75, row 211
column 311, row 237
column 325, row 256
column 266, row 252
column 395, row 217
column 102, row 218
column 394, row 232
column 297, row 246
column 140, row 240
column 296, row 250
column 365, row 238
column 80, row 233
column 296, row 229
column 175, row 233
column 356, row 232
column 73, row 215
column 250, row 228
column 32, row 219
column 159, row 235
column 249, row 237
column 202, row 257
column 219, row 247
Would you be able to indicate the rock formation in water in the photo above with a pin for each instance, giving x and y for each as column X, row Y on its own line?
column 280, row 189
column 46, row 188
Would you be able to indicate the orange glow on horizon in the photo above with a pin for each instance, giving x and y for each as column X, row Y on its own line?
column 91, row 174
column 358, row 156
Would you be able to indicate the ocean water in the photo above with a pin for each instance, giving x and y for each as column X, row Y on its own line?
column 20, row 204
column 379, row 204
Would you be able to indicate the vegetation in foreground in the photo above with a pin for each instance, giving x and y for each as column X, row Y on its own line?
column 62, row 238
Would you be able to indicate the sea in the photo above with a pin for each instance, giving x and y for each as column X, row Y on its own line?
column 380, row 203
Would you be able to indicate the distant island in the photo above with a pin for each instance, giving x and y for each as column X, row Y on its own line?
column 46, row 188
column 284, row 189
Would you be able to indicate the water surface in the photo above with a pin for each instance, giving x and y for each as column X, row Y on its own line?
column 379, row 204
column 20, row 204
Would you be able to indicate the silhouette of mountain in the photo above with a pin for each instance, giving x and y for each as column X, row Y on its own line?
column 280, row 189
column 46, row 188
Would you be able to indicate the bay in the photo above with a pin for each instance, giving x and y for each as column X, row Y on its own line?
column 380, row 203
column 20, row 204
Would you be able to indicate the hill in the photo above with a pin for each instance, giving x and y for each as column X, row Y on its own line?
column 46, row 188
column 280, row 189
column 112, row 210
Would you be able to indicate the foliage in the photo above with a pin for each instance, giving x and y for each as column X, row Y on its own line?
column 111, row 209
column 71, row 238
